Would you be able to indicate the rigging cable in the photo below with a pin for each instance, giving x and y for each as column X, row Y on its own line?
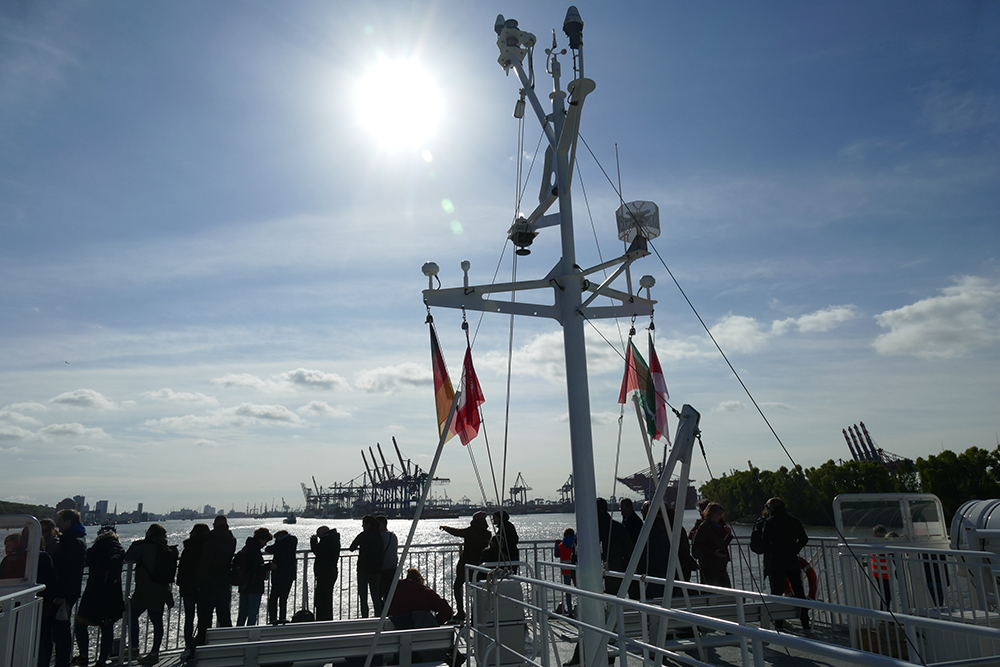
column 795, row 465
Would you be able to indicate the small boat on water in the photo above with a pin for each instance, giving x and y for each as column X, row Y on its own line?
column 289, row 519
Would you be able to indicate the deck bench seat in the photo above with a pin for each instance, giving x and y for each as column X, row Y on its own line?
column 321, row 649
column 253, row 633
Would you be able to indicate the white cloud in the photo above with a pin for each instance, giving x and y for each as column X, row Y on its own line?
column 203, row 442
column 739, row 333
column 604, row 417
column 71, row 430
column 946, row 110
column 169, row 395
column 17, row 418
column 83, row 398
column 85, row 448
column 772, row 405
column 731, row 406
column 321, row 409
column 311, row 379
column 819, row 321
column 245, row 414
column 277, row 413
column 543, row 356
column 29, row 407
column 943, row 327
column 241, row 380
column 11, row 432
column 389, row 379
column 11, row 450
column 300, row 378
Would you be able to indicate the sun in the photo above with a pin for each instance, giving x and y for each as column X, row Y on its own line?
column 398, row 103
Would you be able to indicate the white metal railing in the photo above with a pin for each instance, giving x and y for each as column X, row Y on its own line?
column 20, row 606
column 839, row 579
column 20, row 620
column 924, row 640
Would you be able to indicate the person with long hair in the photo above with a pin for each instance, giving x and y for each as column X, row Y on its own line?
column 150, row 596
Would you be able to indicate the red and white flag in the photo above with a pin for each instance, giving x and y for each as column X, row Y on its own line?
column 467, row 420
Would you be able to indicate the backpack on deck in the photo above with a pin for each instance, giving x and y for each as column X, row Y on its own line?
column 238, row 575
column 165, row 565
column 757, row 537
column 303, row 616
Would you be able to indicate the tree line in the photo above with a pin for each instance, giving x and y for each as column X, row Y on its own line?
column 809, row 493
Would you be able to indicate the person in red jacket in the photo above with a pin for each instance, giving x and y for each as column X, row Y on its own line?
column 566, row 550
column 412, row 595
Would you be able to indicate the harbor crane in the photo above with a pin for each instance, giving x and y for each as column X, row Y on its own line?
column 519, row 492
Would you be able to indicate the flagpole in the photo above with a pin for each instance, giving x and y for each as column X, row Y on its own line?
column 645, row 437
column 413, row 526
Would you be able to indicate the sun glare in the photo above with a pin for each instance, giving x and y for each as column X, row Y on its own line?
column 399, row 104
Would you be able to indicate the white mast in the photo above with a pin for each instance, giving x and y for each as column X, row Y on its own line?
column 568, row 283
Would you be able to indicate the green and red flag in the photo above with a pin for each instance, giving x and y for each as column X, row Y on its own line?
column 661, row 393
column 651, row 387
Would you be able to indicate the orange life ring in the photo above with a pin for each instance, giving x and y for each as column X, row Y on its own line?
column 811, row 577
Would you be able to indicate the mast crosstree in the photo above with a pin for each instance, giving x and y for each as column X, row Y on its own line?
column 567, row 281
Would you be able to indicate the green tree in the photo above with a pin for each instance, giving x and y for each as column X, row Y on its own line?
column 956, row 478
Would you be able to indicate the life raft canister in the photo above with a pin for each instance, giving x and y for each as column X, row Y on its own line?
column 811, row 577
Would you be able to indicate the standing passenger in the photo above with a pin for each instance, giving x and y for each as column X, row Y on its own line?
column 475, row 539
column 68, row 563
column 566, row 550
column 711, row 547
column 616, row 545
column 102, row 603
column 150, row 596
column 502, row 547
column 369, row 545
column 325, row 545
column 215, row 593
column 283, row 573
column 390, row 557
column 249, row 575
column 783, row 538
column 880, row 568
column 187, row 582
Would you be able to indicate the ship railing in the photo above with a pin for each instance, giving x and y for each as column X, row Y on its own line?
column 942, row 583
column 437, row 563
column 875, row 637
column 20, row 604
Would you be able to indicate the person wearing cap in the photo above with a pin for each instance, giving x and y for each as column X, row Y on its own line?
column 475, row 538
column 325, row 545
column 249, row 576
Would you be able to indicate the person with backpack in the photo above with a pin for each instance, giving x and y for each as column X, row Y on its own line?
column 283, row 572
column 102, row 603
column 325, row 545
column 249, row 573
column 370, row 548
column 780, row 539
column 155, row 569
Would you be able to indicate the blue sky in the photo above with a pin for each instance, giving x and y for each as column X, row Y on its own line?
column 210, row 267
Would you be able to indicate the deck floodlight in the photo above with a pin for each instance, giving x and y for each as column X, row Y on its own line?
column 498, row 26
column 573, row 27
column 638, row 218
column 430, row 270
column 522, row 234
